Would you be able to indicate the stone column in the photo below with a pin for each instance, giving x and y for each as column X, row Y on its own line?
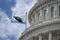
column 50, row 36
column 30, row 39
column 40, row 37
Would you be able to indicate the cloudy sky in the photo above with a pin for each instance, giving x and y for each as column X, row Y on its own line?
column 8, row 9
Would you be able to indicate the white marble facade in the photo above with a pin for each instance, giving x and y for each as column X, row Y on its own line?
column 44, row 19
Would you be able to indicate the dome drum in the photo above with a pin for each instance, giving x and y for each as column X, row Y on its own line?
column 45, row 12
column 44, row 19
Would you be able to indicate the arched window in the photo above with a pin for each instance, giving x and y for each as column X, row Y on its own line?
column 52, row 12
column 33, row 17
column 59, row 10
column 38, row 15
column 45, row 14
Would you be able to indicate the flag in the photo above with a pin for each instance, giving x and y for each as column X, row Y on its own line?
column 21, row 19
column 18, row 19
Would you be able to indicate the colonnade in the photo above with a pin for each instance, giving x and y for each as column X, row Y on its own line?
column 47, row 36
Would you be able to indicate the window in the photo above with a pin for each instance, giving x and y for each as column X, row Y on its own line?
column 59, row 10
column 40, row 12
column 52, row 12
column 38, row 15
column 45, row 14
column 30, row 19
column 33, row 17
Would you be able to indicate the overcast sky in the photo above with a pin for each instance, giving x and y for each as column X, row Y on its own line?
column 8, row 9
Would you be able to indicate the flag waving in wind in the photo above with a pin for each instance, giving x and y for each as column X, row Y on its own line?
column 21, row 19
column 18, row 19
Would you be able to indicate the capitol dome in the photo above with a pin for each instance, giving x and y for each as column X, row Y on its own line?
column 44, row 19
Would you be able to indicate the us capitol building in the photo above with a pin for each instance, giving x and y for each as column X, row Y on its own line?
column 44, row 19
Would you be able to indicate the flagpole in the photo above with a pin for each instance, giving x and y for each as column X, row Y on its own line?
column 25, row 25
